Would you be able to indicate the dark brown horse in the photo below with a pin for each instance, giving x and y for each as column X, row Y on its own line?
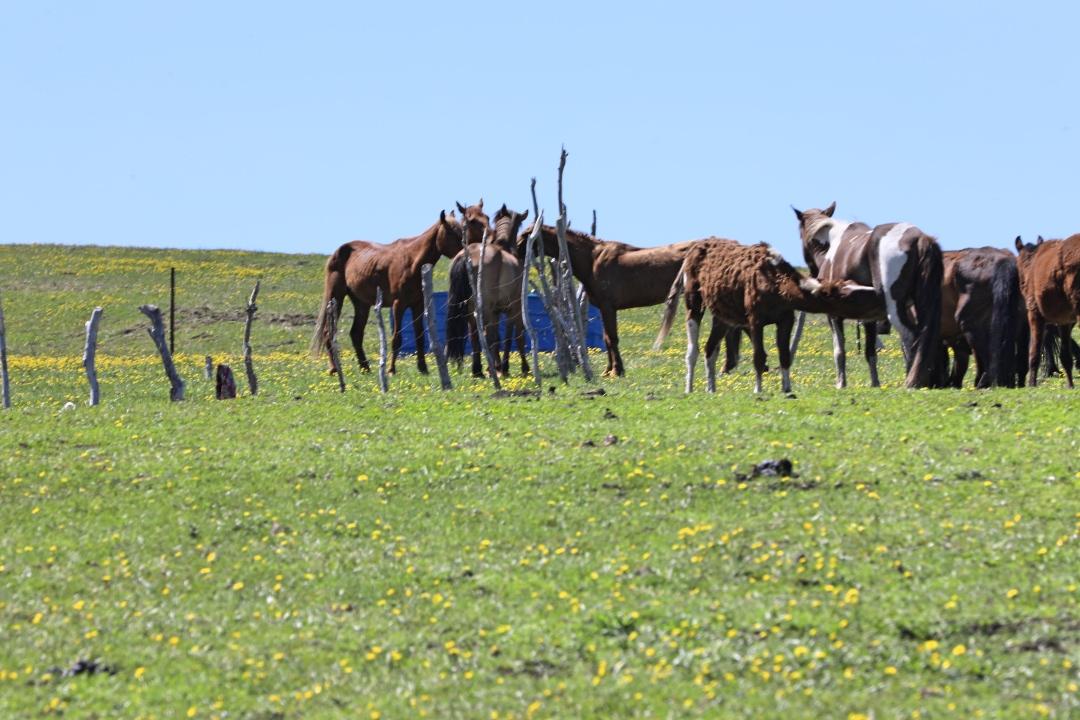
column 358, row 268
column 905, row 266
column 982, row 312
column 617, row 276
column 501, row 292
column 748, row 286
column 1050, row 282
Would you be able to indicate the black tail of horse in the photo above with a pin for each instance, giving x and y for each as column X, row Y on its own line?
column 334, row 287
column 457, row 312
column 926, row 357
column 1005, row 290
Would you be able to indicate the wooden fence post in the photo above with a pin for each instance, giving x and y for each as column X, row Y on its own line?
column 432, row 330
column 384, row 384
column 566, row 284
column 90, row 354
column 157, row 334
column 525, row 319
column 172, row 310
column 249, row 366
column 209, row 368
column 335, row 354
column 4, row 380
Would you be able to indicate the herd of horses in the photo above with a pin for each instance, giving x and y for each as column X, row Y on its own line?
column 1006, row 310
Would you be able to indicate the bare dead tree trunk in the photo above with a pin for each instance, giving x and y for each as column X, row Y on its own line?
column 5, row 382
column 249, row 366
column 476, row 285
column 90, row 354
column 433, row 331
column 209, row 368
column 384, row 384
column 525, row 319
column 566, row 286
column 562, row 352
column 157, row 334
column 335, row 353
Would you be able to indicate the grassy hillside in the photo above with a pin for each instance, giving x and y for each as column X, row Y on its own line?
column 426, row 554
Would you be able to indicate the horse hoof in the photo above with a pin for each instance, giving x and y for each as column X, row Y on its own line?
column 423, row 370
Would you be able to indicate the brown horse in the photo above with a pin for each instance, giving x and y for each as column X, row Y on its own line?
column 358, row 268
column 500, row 290
column 617, row 276
column 1050, row 282
column 982, row 312
column 905, row 266
column 748, row 286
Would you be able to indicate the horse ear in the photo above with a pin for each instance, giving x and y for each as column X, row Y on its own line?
column 480, row 204
column 1040, row 240
column 1019, row 244
column 831, row 209
column 524, row 216
column 442, row 217
column 798, row 213
column 459, row 207
column 503, row 210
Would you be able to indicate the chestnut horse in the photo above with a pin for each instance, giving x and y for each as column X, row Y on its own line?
column 1050, row 282
column 982, row 312
column 905, row 266
column 501, row 293
column 748, row 286
column 358, row 268
column 617, row 276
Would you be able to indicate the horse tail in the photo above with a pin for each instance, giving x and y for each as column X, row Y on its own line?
column 334, row 287
column 925, row 370
column 671, row 304
column 457, row 312
column 1005, row 291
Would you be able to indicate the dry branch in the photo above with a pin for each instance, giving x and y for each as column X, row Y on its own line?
column 433, row 331
column 525, row 319
column 384, row 384
column 157, row 334
column 90, row 354
column 475, row 283
column 208, row 369
column 249, row 366
column 335, row 353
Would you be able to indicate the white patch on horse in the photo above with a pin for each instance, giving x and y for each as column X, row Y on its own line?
column 836, row 236
column 891, row 261
column 693, row 329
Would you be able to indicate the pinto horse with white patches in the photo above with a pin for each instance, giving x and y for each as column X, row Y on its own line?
column 747, row 286
column 905, row 267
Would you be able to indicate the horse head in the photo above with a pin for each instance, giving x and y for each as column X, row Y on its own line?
column 814, row 231
column 475, row 221
column 507, row 226
column 1025, row 252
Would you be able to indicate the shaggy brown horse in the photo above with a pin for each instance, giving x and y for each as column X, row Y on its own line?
column 982, row 312
column 358, row 268
column 905, row 266
column 617, row 276
column 748, row 286
column 501, row 292
column 1050, row 282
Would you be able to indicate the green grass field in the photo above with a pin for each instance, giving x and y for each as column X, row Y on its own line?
column 425, row 554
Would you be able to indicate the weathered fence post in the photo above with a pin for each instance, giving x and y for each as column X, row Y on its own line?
column 525, row 319
column 476, row 285
column 432, row 329
column 566, row 284
column 90, row 354
column 209, row 368
column 172, row 310
column 4, row 380
column 562, row 353
column 225, row 388
column 335, row 354
column 157, row 334
column 249, row 366
column 384, row 384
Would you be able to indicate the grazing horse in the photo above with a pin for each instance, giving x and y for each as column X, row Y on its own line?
column 905, row 266
column 358, row 268
column 500, row 291
column 617, row 276
column 1050, row 282
column 982, row 312
column 748, row 286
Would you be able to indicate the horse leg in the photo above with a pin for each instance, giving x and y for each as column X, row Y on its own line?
column 398, row 309
column 839, row 354
column 356, row 332
column 474, row 338
column 507, row 341
column 783, row 348
column 732, row 341
column 1035, row 342
column 693, row 329
column 712, row 350
column 961, row 358
column 978, row 341
column 519, row 331
column 870, row 349
column 757, row 337
column 491, row 331
column 611, row 339
column 418, row 333
column 1066, row 352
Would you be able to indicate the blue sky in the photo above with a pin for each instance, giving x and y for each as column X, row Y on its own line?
column 296, row 127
